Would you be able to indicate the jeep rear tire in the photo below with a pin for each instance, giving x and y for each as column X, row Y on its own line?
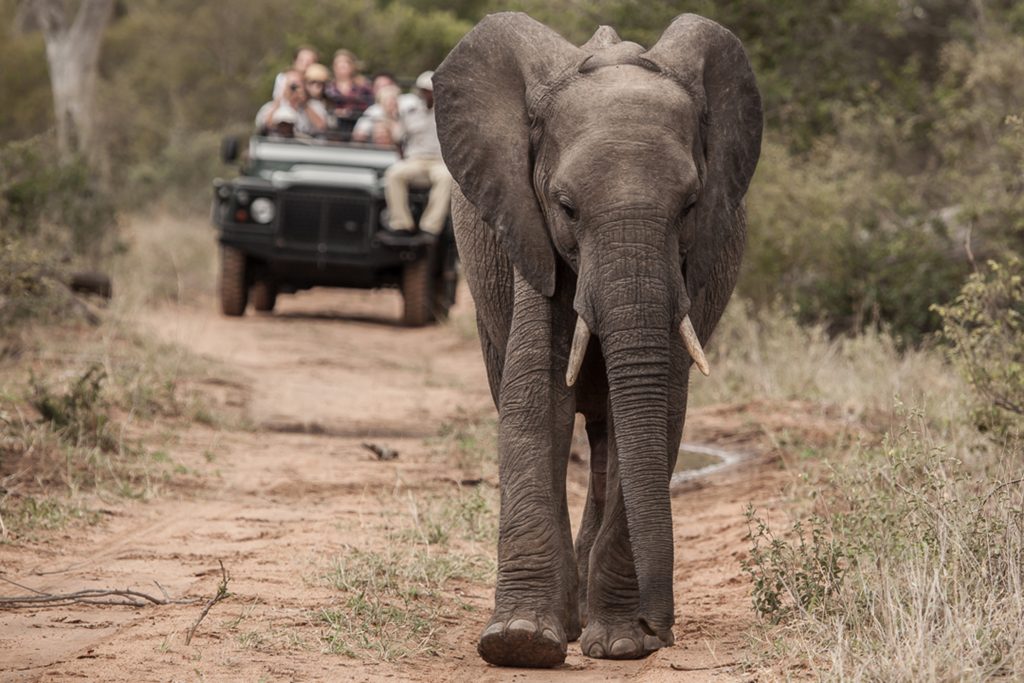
column 445, row 283
column 264, row 295
column 234, row 289
column 417, row 293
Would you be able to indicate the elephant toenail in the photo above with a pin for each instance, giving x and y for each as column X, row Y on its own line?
column 522, row 626
column 624, row 647
column 494, row 629
column 652, row 643
column 596, row 651
column 548, row 634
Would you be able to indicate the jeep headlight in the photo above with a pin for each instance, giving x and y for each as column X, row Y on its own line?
column 262, row 210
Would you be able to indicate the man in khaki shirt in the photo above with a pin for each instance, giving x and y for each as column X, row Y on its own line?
column 421, row 165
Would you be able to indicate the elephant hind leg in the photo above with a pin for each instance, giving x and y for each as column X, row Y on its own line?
column 593, row 512
column 615, row 629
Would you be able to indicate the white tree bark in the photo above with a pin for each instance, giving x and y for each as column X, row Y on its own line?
column 72, row 52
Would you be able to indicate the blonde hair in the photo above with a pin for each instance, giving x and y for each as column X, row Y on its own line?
column 357, row 66
column 387, row 92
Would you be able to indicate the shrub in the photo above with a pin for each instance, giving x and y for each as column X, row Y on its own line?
column 910, row 568
column 26, row 285
column 985, row 328
column 78, row 414
column 61, row 205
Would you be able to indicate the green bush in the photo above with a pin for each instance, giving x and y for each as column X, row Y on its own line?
column 59, row 205
column 27, row 286
column 985, row 328
column 78, row 414
column 800, row 572
column 846, row 243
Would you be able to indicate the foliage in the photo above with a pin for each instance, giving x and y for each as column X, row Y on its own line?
column 846, row 244
column 26, row 287
column 799, row 574
column 893, row 142
column 78, row 414
column 985, row 327
column 62, row 206
column 28, row 105
column 912, row 569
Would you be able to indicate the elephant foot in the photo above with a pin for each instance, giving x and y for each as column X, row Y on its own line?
column 621, row 640
column 523, row 640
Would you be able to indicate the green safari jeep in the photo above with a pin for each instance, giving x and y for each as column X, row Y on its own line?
column 308, row 213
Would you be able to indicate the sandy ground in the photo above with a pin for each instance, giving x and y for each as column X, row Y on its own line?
column 326, row 373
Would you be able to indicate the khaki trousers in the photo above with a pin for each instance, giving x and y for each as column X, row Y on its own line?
column 420, row 172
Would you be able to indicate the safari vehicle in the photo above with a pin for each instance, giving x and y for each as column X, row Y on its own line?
column 308, row 213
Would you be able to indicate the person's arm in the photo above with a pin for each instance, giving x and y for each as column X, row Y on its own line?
column 265, row 113
column 364, row 126
column 317, row 115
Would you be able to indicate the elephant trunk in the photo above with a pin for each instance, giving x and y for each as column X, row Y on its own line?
column 634, row 308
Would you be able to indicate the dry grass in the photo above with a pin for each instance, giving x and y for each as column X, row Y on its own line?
column 396, row 597
column 770, row 356
column 75, row 398
column 171, row 257
column 904, row 557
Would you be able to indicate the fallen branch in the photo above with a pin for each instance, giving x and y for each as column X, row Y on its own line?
column 90, row 596
column 222, row 592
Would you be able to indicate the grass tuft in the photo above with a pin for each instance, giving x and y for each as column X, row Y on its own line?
column 397, row 597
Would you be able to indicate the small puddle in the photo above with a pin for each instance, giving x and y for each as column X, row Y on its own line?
column 696, row 461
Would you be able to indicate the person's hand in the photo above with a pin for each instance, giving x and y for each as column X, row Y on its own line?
column 382, row 134
column 295, row 94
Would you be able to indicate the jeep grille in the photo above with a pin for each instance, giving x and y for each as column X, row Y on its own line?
column 340, row 222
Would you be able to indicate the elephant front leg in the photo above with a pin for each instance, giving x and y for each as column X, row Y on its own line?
column 535, row 597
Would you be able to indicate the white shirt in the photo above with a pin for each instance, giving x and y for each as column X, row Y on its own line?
column 417, row 128
column 373, row 115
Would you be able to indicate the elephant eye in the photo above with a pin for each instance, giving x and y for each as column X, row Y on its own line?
column 565, row 204
column 690, row 202
column 567, row 208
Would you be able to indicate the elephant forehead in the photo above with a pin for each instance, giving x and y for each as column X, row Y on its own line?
column 628, row 99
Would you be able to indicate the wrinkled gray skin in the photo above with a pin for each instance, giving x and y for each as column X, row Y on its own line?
column 603, row 181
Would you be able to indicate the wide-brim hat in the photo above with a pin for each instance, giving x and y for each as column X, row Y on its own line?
column 317, row 72
column 425, row 81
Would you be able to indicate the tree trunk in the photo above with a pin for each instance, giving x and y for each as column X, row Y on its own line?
column 72, row 52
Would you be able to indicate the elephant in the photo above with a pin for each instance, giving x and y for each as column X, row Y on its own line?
column 599, row 219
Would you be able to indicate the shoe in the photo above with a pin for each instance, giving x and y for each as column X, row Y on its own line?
column 405, row 238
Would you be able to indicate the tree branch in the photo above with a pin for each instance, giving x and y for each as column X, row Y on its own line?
column 93, row 16
column 50, row 15
column 90, row 596
column 222, row 592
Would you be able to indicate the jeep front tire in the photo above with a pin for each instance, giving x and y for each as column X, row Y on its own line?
column 234, row 289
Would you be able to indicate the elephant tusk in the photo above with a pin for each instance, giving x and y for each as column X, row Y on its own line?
column 692, row 343
column 580, row 339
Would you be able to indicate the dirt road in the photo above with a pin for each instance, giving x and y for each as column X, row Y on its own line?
column 288, row 499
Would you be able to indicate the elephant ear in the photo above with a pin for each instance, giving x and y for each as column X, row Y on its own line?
column 710, row 61
column 483, row 92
